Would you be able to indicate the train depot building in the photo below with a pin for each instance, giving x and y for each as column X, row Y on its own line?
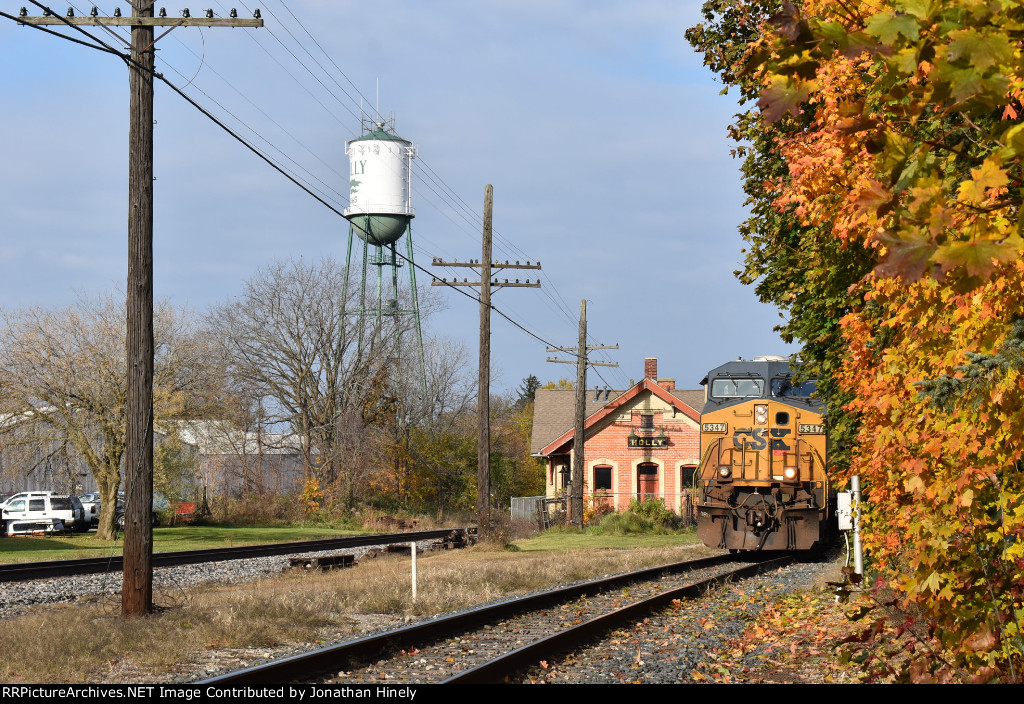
column 643, row 442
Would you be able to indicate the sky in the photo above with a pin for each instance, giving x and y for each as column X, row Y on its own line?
column 601, row 132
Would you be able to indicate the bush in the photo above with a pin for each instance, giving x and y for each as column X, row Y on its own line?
column 655, row 511
column 649, row 516
column 625, row 523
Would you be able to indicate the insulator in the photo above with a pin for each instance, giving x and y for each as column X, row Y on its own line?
column 234, row 13
column 71, row 12
column 95, row 12
column 257, row 13
column 23, row 12
column 185, row 13
column 163, row 12
column 209, row 14
column 117, row 12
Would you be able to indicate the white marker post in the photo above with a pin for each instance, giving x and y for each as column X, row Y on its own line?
column 413, row 551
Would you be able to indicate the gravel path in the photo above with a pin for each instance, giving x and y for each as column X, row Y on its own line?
column 168, row 582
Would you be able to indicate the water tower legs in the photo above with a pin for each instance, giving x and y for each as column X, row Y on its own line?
column 393, row 308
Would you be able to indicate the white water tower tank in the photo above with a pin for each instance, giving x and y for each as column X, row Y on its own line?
column 380, row 190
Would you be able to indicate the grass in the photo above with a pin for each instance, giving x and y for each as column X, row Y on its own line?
column 97, row 646
column 33, row 549
column 567, row 539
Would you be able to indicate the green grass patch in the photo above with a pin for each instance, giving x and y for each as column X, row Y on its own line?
column 169, row 539
column 561, row 539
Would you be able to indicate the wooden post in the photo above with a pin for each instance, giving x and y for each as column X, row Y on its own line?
column 137, row 581
column 575, row 504
column 483, row 451
column 487, row 269
column 576, row 499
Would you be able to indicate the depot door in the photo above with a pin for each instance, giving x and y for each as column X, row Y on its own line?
column 647, row 481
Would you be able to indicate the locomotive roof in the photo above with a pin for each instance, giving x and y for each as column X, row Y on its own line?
column 766, row 368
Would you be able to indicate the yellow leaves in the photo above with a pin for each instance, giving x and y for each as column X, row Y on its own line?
column 914, row 485
column 783, row 94
column 990, row 176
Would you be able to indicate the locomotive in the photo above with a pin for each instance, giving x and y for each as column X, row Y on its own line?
column 763, row 482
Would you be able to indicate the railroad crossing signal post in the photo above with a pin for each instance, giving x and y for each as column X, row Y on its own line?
column 137, row 585
column 487, row 269
column 578, row 440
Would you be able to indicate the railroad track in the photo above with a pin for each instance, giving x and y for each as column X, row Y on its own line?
column 21, row 571
column 490, row 643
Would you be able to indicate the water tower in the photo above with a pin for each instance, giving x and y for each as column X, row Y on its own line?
column 380, row 212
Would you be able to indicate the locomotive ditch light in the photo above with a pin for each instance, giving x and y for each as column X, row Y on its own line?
column 761, row 413
column 789, row 472
column 725, row 472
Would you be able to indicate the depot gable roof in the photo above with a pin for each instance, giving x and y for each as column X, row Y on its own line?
column 550, row 405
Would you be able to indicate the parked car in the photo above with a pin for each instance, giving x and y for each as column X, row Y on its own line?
column 160, row 505
column 92, row 505
column 45, row 505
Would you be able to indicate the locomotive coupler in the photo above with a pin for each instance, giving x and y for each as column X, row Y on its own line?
column 757, row 518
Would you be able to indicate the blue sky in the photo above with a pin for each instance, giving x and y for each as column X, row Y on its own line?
column 602, row 134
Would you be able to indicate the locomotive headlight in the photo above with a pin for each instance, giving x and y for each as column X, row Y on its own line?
column 761, row 414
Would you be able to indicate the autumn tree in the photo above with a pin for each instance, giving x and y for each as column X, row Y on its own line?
column 292, row 356
column 62, row 381
column 793, row 258
column 514, row 472
column 885, row 155
column 426, row 446
column 302, row 358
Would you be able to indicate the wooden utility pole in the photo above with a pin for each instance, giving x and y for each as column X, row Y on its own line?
column 137, row 581
column 483, row 392
column 576, row 482
column 486, row 266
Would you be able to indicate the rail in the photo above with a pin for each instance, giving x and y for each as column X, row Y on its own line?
column 21, row 571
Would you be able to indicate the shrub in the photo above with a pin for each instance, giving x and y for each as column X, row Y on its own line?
column 655, row 511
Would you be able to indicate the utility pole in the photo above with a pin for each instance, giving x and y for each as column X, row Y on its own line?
column 576, row 482
column 487, row 268
column 137, row 581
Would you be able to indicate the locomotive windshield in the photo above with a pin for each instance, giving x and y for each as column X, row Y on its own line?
column 783, row 387
column 737, row 388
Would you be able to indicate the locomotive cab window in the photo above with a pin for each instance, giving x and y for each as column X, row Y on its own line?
column 782, row 387
column 737, row 388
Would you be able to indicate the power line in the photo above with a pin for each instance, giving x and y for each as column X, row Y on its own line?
column 295, row 180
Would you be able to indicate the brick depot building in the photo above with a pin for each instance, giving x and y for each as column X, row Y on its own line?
column 642, row 442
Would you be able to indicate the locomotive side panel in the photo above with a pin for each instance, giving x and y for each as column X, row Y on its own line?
column 762, row 483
